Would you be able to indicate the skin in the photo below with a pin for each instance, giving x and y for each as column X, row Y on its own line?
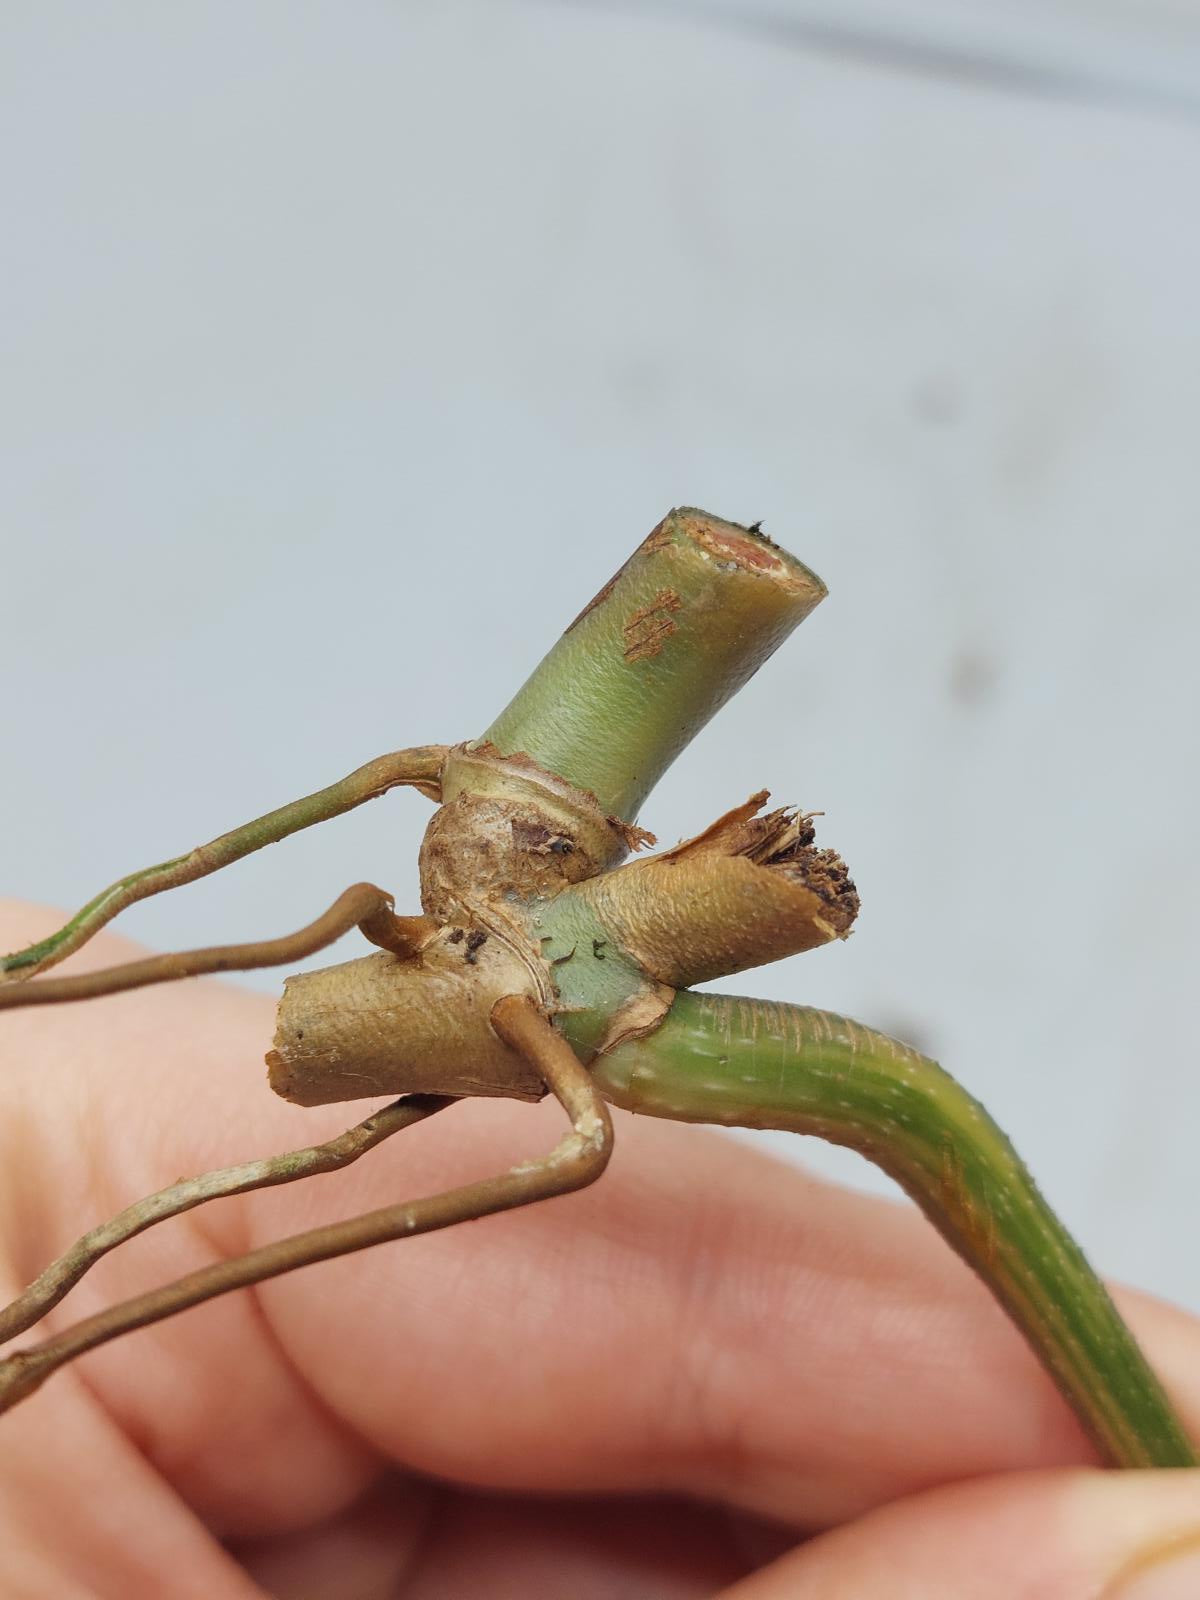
column 709, row 1375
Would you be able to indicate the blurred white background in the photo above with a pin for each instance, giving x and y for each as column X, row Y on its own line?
column 347, row 349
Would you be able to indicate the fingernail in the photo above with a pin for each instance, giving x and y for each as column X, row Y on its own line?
column 1169, row 1574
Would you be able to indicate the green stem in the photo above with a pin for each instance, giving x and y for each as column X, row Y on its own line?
column 759, row 1064
column 420, row 767
column 696, row 609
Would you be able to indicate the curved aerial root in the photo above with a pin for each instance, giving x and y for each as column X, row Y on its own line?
column 577, row 1160
column 363, row 905
column 62, row 1275
column 420, row 767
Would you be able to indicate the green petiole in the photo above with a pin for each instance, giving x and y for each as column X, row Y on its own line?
column 761, row 1064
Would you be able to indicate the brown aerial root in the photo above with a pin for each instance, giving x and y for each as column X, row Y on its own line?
column 577, row 1160
column 362, row 905
column 61, row 1276
column 420, row 767
column 747, row 890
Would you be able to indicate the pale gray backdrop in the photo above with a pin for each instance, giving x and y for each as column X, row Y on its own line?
column 348, row 348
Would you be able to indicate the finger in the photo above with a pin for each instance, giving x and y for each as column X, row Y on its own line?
column 82, row 1515
column 589, row 1551
column 1070, row 1535
column 368, row 1550
column 427, row 1543
column 99, row 1107
column 744, row 1332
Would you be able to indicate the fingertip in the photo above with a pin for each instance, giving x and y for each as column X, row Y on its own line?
column 1078, row 1535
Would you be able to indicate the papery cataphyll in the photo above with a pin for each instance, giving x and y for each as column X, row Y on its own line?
column 541, row 963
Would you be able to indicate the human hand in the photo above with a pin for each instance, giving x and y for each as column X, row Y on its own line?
column 707, row 1375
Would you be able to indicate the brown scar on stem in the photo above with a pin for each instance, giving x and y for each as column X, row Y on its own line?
column 655, row 540
column 657, row 537
column 649, row 628
column 747, row 547
column 956, row 1196
column 597, row 599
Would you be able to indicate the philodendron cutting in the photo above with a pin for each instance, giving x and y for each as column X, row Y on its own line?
column 543, row 960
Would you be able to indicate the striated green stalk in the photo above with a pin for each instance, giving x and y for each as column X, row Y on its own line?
column 760, row 1064
column 692, row 614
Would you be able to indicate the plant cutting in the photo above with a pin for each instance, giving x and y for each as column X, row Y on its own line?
column 555, row 953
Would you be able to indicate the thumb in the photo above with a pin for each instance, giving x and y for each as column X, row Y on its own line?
column 1070, row 1535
